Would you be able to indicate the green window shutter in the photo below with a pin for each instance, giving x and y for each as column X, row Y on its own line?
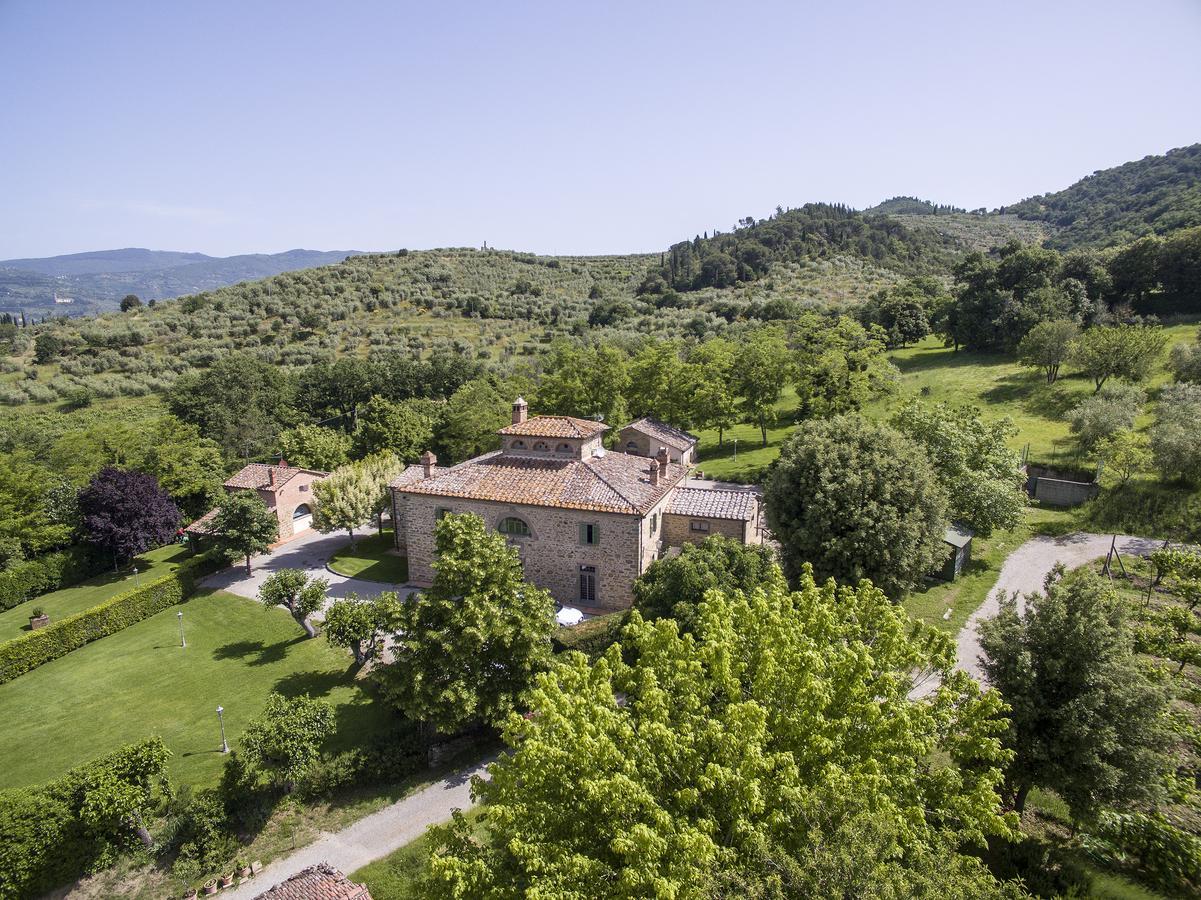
column 596, row 534
column 583, row 533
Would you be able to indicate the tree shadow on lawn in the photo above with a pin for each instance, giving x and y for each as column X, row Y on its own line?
column 266, row 653
column 944, row 358
column 314, row 684
column 1032, row 393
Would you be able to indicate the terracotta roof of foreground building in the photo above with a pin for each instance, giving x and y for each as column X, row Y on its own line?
column 613, row 482
column 319, row 882
column 257, row 476
column 707, row 503
column 664, row 433
column 556, row 427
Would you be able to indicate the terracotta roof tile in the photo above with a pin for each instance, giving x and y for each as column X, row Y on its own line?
column 319, row 882
column 710, row 504
column 258, row 476
column 203, row 525
column 664, row 433
column 614, row 482
column 415, row 473
column 556, row 427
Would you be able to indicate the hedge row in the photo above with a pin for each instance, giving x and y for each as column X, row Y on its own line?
column 46, row 843
column 28, row 578
column 36, row 648
column 592, row 638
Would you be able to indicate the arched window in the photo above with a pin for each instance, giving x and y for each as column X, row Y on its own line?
column 541, row 445
column 519, row 445
column 563, row 448
column 632, row 447
column 301, row 511
column 514, row 526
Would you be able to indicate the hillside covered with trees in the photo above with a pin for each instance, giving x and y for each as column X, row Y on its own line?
column 1155, row 195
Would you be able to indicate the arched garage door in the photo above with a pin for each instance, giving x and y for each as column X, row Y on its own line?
column 302, row 518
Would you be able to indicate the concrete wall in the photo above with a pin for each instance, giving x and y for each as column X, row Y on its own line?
column 552, row 554
column 1058, row 492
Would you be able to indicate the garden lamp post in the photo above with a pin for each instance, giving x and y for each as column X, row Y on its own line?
column 221, row 722
column 137, row 582
column 735, row 449
column 182, row 642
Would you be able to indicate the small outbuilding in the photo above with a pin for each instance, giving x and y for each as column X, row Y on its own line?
column 645, row 436
column 959, row 537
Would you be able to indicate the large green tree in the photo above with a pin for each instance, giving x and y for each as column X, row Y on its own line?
column 709, row 374
column 242, row 402
column 469, row 647
column 244, row 526
column 285, row 740
column 469, row 420
column 1176, row 434
column 1086, row 721
column 296, row 592
column 1127, row 352
column 674, row 586
column 315, row 447
column 1047, row 346
column 762, row 367
column 776, row 743
column 405, row 429
column 346, row 501
column 361, row 625
column 981, row 475
column 858, row 500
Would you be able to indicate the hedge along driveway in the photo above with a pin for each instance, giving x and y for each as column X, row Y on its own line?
column 59, row 604
column 140, row 682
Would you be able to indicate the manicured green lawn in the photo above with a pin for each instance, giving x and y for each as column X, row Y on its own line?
column 964, row 595
column 372, row 560
column 59, row 604
column 139, row 682
column 396, row 876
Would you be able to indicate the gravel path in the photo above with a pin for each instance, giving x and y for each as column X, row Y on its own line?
column 372, row 837
column 1024, row 571
column 309, row 552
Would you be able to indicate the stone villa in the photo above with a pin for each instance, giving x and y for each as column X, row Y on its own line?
column 585, row 520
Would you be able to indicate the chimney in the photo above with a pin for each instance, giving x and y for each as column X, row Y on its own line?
column 661, row 457
column 520, row 409
column 427, row 464
column 271, row 475
column 653, row 471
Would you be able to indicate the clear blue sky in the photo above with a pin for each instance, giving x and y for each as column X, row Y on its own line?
column 557, row 127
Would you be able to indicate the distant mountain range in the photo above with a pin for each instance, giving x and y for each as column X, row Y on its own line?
column 96, row 281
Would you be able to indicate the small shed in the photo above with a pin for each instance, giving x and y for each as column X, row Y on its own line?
column 959, row 537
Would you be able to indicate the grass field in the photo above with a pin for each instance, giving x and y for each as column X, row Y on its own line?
column 964, row 595
column 59, row 604
column 993, row 382
column 397, row 876
column 139, row 682
column 372, row 560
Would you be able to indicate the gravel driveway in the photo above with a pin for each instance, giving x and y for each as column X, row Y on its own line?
column 308, row 553
column 1024, row 571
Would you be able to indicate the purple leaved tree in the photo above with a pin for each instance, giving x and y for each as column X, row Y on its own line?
column 126, row 513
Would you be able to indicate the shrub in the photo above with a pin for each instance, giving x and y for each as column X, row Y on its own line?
column 46, row 842
column 31, row 650
column 1176, row 434
column 1168, row 856
column 1103, row 415
column 592, row 637
column 26, row 579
